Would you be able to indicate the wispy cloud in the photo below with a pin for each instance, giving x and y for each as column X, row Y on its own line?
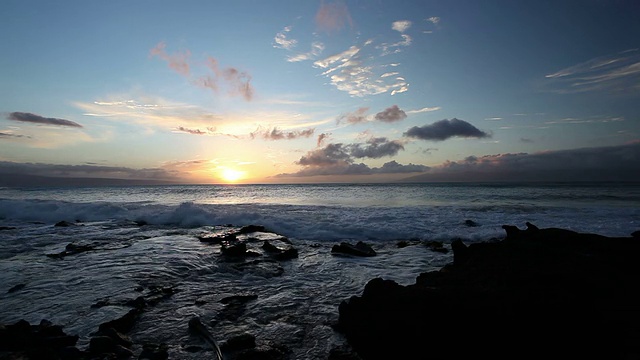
column 618, row 72
column 588, row 120
column 332, row 17
column 37, row 119
column 349, row 73
column 354, row 117
column 207, row 131
column 316, row 49
column 235, row 81
column 277, row 134
column 8, row 134
column 281, row 40
column 424, row 109
column 152, row 112
column 445, row 129
column 178, row 61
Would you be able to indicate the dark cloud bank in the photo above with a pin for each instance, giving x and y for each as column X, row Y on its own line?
column 37, row 119
column 612, row 163
column 39, row 174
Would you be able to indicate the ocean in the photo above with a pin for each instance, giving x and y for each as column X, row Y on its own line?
column 145, row 238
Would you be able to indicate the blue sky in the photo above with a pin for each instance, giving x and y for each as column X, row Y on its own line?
column 314, row 91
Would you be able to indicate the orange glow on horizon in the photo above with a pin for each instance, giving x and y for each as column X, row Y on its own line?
column 231, row 175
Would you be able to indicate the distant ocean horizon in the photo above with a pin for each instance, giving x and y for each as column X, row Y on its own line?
column 143, row 237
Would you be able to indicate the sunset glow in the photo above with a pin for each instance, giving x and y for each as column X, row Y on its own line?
column 232, row 175
column 320, row 91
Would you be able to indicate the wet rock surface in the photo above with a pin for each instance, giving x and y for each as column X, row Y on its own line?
column 539, row 293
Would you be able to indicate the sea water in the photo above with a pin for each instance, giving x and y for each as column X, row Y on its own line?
column 296, row 306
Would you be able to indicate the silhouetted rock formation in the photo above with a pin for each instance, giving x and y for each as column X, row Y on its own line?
column 539, row 293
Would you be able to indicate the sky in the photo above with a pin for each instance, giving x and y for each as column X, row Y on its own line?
column 290, row 91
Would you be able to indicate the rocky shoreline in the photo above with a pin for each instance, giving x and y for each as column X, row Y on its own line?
column 539, row 293
column 551, row 293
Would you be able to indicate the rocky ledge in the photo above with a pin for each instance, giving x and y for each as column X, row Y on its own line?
column 537, row 293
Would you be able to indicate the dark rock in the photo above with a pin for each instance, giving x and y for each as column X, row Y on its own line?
column 234, row 249
column 471, row 223
column 278, row 253
column 42, row 341
column 239, row 342
column 359, row 249
column 64, row 224
column 535, row 293
column 124, row 323
column 154, row 352
column 251, row 229
column 636, row 234
column 16, row 288
column 72, row 249
column 437, row 246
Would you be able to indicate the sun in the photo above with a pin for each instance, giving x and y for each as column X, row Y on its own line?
column 231, row 175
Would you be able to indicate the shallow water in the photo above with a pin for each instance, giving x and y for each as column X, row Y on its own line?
column 297, row 300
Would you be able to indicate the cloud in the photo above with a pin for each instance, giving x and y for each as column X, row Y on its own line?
column 375, row 148
column 208, row 131
column 332, row 154
column 316, row 49
column 617, row 72
column 322, row 138
column 342, row 154
column 332, row 17
column 277, row 134
column 349, row 73
column 391, row 114
column 401, row 25
column 37, row 119
column 281, row 41
column 152, row 112
column 425, row 109
column 338, row 159
column 434, row 20
column 354, row 117
column 178, row 61
column 8, row 134
column 237, row 82
column 611, row 163
column 92, row 171
column 393, row 167
column 445, row 129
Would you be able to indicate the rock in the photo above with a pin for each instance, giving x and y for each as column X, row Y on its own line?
column 154, row 352
column 471, row 223
column 122, row 324
column 537, row 292
column 72, row 249
column 239, row 342
column 64, row 223
column 16, row 288
column 43, row 341
column 359, row 249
